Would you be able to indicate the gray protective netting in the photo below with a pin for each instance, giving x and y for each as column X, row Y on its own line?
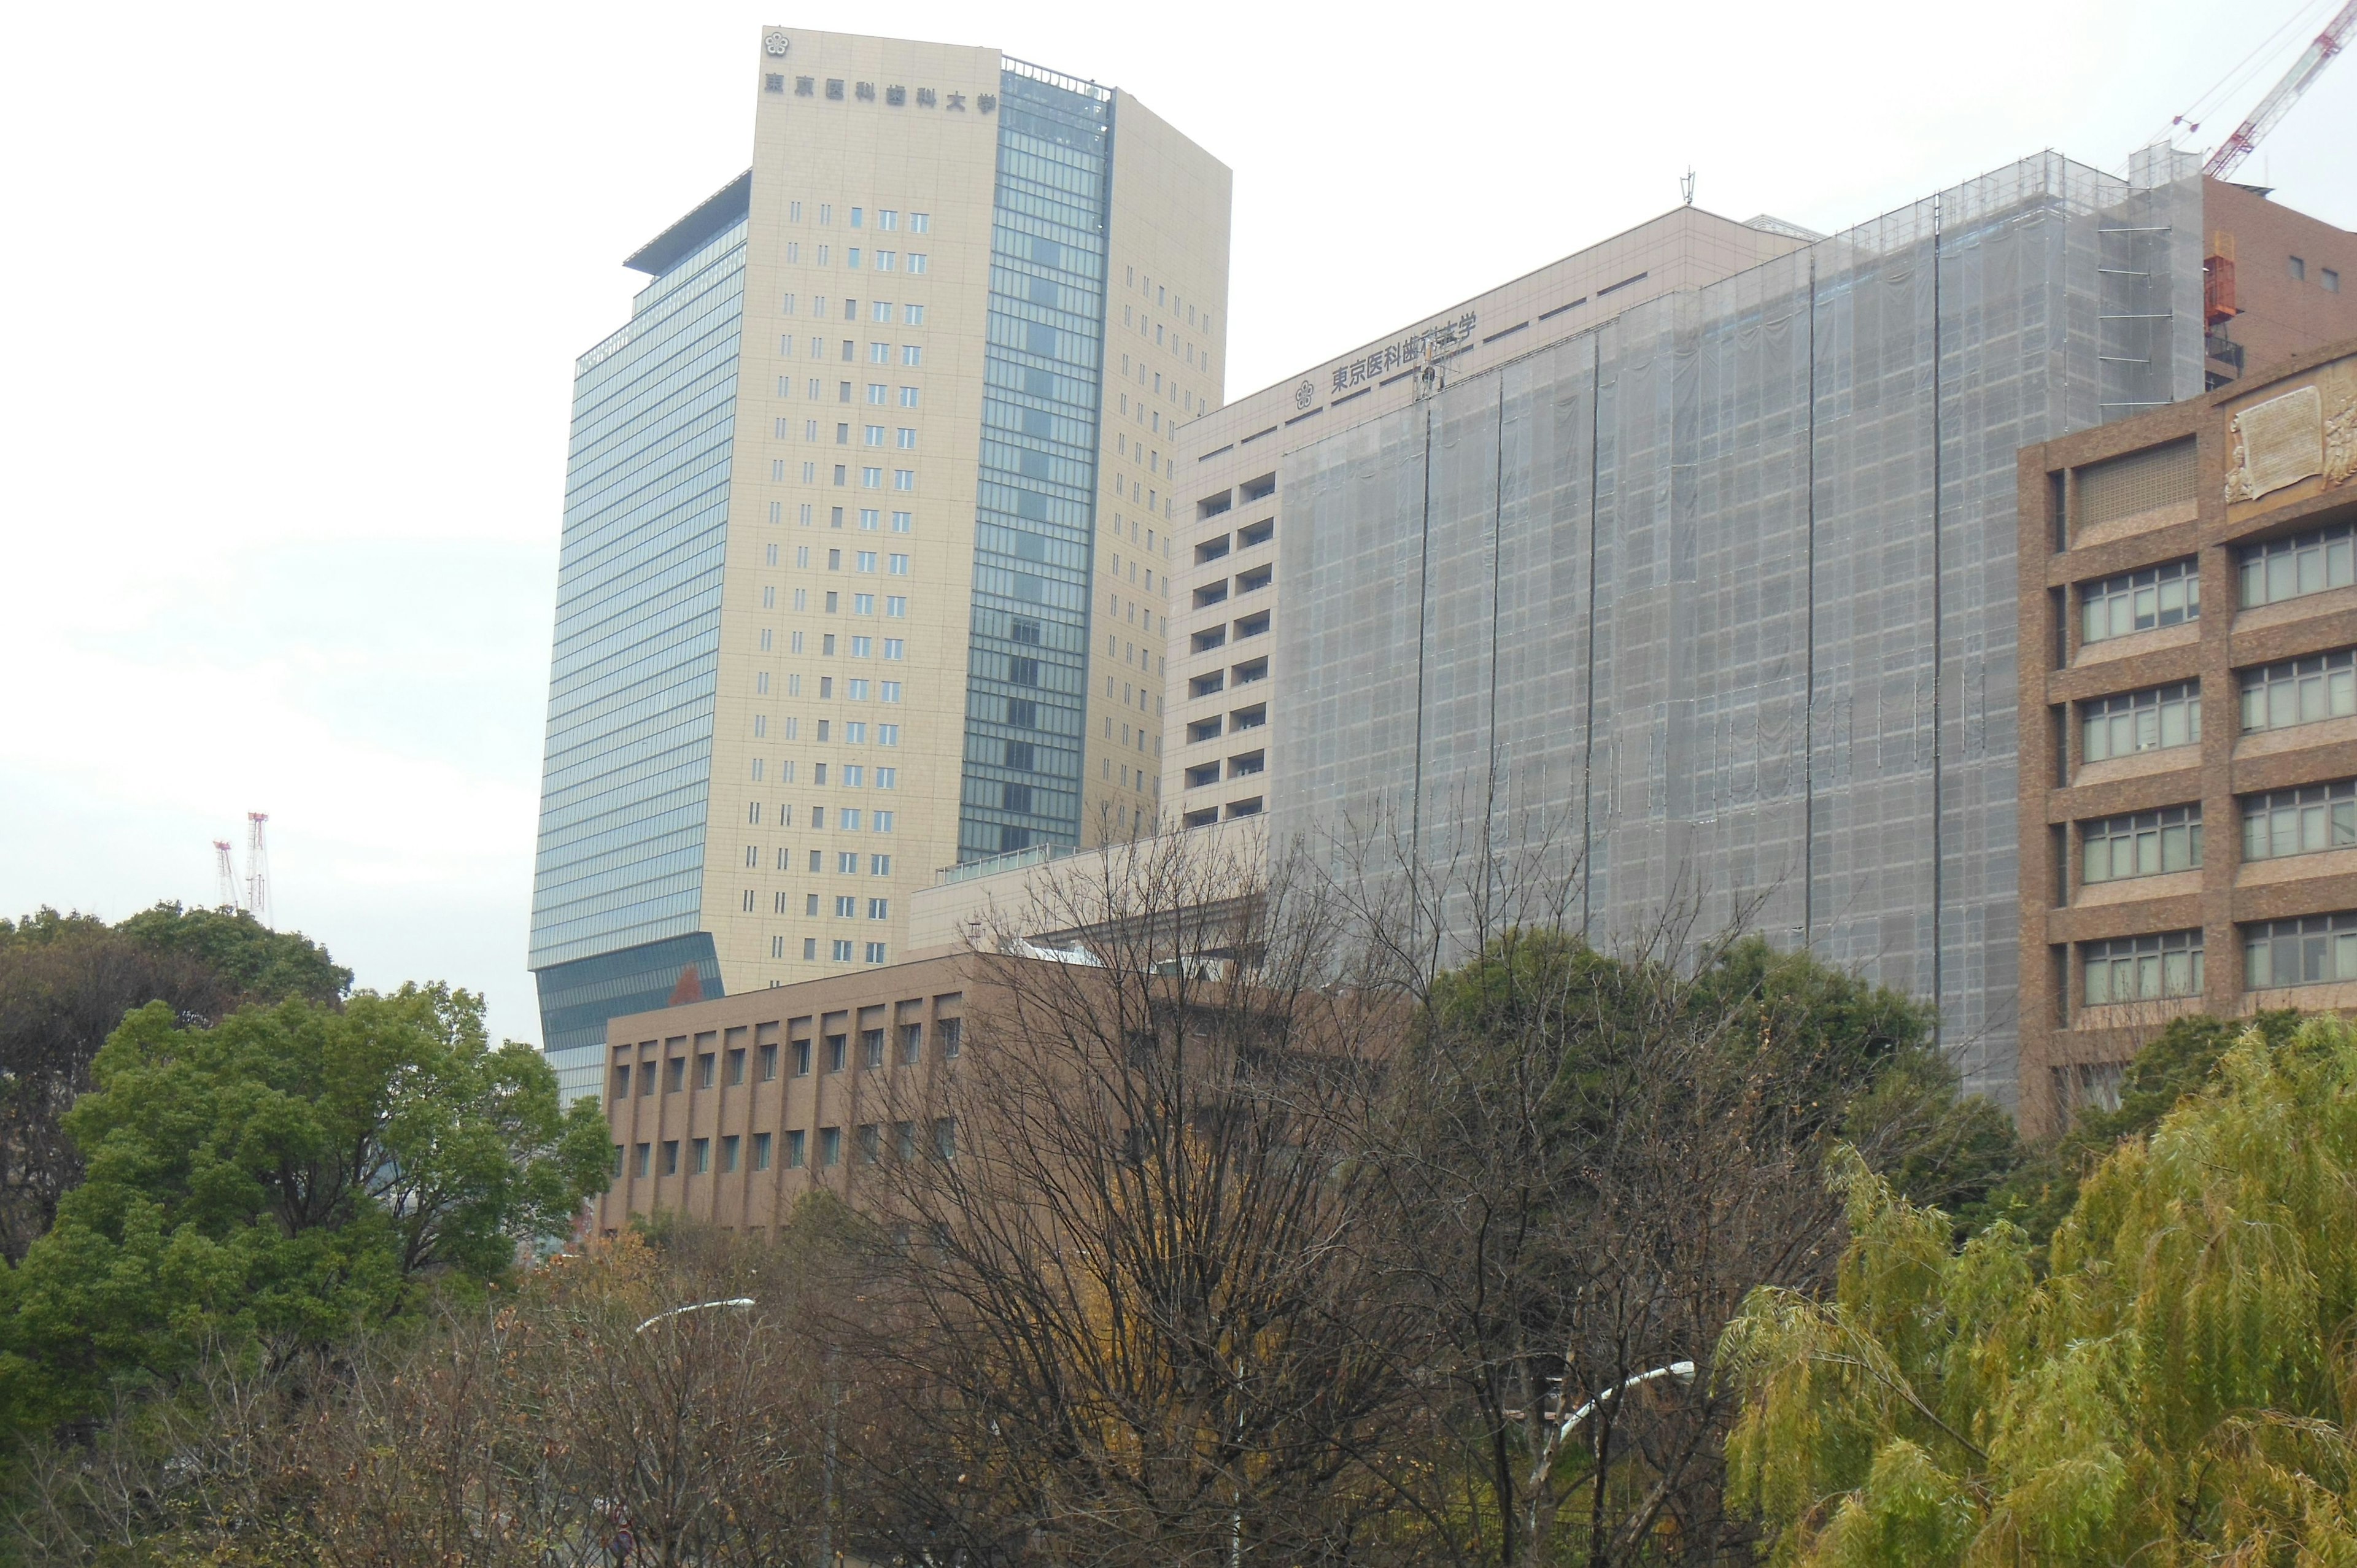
column 1718, row 599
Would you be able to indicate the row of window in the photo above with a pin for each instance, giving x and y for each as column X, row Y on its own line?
column 2299, row 270
column 1204, row 816
column 870, row 479
column 847, row 819
column 2313, row 950
column 861, row 560
column 909, row 1049
column 2274, row 696
column 862, row 646
column 870, row 517
column 1253, row 717
column 2306, row 821
column 886, row 218
column 847, row 905
column 839, row 952
column 1241, row 766
column 878, row 393
column 869, row 1140
column 845, row 351
column 880, row 311
column 1218, row 680
column 854, row 733
column 904, row 436
column 1213, row 548
column 2171, row 594
column 855, row 690
column 846, row 861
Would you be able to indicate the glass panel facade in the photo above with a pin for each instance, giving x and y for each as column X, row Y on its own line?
column 578, row 999
column 631, row 685
column 1028, row 661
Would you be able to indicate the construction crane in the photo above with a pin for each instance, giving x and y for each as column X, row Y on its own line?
column 257, row 859
column 2278, row 102
column 231, row 901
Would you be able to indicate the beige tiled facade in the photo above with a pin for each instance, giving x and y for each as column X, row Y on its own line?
column 817, row 158
column 850, row 659
column 1228, row 510
column 2188, row 809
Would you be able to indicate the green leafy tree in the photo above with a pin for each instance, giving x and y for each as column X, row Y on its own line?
column 2039, row 1191
column 2175, row 1389
column 1595, row 1157
column 282, row 1176
column 67, row 981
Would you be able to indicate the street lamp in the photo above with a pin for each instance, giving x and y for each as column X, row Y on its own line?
column 693, row 1306
column 1560, row 1433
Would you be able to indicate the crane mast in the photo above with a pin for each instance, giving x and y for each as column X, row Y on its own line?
column 229, row 900
column 2279, row 100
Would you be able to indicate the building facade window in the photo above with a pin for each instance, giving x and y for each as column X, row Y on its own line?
column 2300, row 690
column 2315, row 950
column 2304, row 821
column 2301, row 563
column 2142, row 969
column 2147, row 844
column 2141, row 721
column 2141, row 600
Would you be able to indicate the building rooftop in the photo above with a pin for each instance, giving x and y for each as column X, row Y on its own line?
column 710, row 216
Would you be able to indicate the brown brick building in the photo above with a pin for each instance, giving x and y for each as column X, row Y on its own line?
column 2206, row 550
column 2278, row 282
column 730, row 1110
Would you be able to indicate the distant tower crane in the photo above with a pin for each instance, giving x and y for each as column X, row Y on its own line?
column 258, row 858
column 2278, row 102
column 230, row 903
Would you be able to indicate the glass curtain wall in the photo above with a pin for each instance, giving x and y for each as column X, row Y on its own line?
column 1028, row 661
column 629, row 753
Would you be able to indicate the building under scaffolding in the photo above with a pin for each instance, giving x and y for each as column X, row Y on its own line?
column 1719, row 599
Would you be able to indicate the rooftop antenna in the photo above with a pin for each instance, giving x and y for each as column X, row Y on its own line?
column 257, row 869
column 1685, row 185
column 226, row 871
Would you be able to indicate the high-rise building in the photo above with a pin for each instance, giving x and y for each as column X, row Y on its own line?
column 1216, row 750
column 1712, row 597
column 866, row 522
column 1716, row 600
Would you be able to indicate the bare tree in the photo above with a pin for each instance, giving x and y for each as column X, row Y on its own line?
column 579, row 1420
column 1135, row 1310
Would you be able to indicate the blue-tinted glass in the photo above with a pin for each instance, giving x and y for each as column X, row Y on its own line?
column 1026, row 670
column 620, row 858
column 578, row 999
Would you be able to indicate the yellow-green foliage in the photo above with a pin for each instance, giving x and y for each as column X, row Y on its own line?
column 2176, row 1389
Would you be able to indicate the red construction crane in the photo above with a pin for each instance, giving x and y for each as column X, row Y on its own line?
column 2278, row 102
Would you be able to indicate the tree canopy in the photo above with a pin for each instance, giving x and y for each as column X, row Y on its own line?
column 2174, row 1388
column 285, row 1175
column 67, row 981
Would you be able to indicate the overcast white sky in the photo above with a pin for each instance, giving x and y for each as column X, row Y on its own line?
column 298, row 291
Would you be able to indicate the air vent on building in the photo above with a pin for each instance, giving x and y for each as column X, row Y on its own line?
column 2137, row 482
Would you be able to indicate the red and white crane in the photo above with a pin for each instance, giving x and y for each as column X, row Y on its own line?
column 249, row 895
column 2277, row 104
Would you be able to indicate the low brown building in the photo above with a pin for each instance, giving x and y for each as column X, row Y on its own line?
column 2207, row 550
column 730, row 1111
